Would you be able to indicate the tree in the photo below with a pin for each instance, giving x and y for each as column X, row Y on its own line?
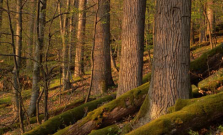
column 31, row 34
column 1, row 11
column 130, row 75
column 41, row 21
column 170, row 71
column 102, row 62
column 79, row 67
column 64, row 32
column 210, row 15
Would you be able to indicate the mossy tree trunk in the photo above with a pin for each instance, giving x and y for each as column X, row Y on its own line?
column 133, row 23
column 110, row 113
column 187, row 115
column 170, row 71
column 79, row 65
column 102, row 66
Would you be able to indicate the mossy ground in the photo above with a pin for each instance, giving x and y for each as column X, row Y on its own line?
column 69, row 117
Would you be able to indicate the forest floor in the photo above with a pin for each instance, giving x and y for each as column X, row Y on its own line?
column 6, row 112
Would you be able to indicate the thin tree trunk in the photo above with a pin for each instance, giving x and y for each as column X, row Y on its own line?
column 113, row 63
column 79, row 65
column 192, row 33
column 41, row 19
column 31, row 35
column 1, row 11
column 17, row 47
column 64, row 31
column 171, row 62
column 130, row 75
column 202, row 35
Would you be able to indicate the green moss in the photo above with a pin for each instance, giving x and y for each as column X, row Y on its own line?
column 212, row 81
column 200, row 64
column 136, row 93
column 127, row 128
column 146, row 78
column 110, row 130
column 67, row 118
column 200, row 109
column 143, row 110
column 62, row 131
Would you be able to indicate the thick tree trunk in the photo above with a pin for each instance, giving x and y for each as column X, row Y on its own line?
column 31, row 35
column 102, row 62
column 170, row 71
column 41, row 19
column 130, row 75
column 79, row 65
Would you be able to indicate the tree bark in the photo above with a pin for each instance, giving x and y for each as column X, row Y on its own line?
column 41, row 19
column 31, row 35
column 170, row 71
column 1, row 11
column 211, row 16
column 130, row 75
column 79, row 65
column 65, row 43
column 102, row 61
column 202, row 35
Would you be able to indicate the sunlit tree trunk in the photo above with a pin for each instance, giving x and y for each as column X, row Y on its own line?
column 102, row 61
column 170, row 71
column 79, row 65
column 41, row 20
column 131, row 64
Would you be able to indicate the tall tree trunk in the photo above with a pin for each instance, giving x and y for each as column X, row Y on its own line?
column 79, row 65
column 192, row 33
column 17, row 98
column 102, row 61
column 41, row 20
column 31, row 35
column 211, row 16
column 1, row 11
column 64, row 32
column 18, row 49
column 202, row 35
column 170, row 71
column 130, row 75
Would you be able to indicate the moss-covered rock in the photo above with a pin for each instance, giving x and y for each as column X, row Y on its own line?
column 67, row 118
column 192, row 114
